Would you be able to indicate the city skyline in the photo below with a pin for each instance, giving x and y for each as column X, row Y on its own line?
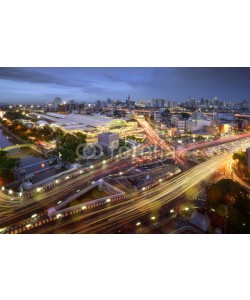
column 29, row 85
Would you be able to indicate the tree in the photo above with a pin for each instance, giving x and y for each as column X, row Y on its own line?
column 122, row 143
column 7, row 164
column 240, row 156
column 227, row 197
column 70, row 141
column 68, row 155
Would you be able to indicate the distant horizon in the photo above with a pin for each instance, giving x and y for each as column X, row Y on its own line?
column 41, row 85
column 41, row 102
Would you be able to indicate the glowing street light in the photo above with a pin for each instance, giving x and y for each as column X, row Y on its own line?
column 172, row 211
column 84, row 207
column 58, row 216
column 108, row 200
column 138, row 224
column 186, row 209
column 38, row 189
column 152, row 218
column 10, row 192
column 34, row 216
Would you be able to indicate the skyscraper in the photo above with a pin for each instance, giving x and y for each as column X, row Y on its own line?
column 57, row 101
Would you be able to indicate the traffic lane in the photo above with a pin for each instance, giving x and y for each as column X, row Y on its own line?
column 150, row 201
column 44, row 201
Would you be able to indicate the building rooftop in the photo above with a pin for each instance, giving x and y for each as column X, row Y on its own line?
column 77, row 119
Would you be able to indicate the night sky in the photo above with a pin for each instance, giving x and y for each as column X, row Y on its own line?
column 31, row 85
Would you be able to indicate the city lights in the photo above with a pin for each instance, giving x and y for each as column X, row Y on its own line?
column 116, row 163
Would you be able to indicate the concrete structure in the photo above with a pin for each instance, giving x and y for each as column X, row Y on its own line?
column 112, row 191
column 109, row 141
column 179, row 123
column 197, row 124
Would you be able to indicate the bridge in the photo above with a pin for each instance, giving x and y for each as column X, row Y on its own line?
column 17, row 146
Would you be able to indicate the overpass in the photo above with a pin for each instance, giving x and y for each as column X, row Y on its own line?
column 16, row 147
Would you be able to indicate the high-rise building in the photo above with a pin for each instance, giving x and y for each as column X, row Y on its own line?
column 158, row 102
column 128, row 101
column 57, row 101
column 171, row 103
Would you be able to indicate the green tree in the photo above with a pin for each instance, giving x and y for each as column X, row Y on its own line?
column 68, row 155
column 227, row 197
column 122, row 143
column 7, row 164
column 240, row 156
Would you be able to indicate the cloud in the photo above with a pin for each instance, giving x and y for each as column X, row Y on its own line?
column 101, row 83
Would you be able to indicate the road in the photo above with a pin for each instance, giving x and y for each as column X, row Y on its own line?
column 113, row 216
column 181, row 152
column 15, row 209
column 108, row 218
column 231, row 170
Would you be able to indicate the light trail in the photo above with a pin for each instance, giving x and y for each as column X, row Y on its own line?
column 152, row 200
column 128, row 210
column 231, row 171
